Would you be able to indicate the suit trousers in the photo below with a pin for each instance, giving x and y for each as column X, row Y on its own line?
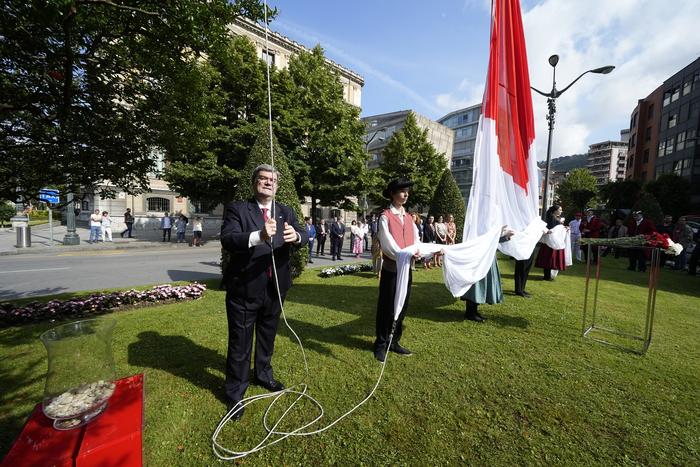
column 385, row 309
column 321, row 244
column 258, row 314
column 522, row 270
column 336, row 246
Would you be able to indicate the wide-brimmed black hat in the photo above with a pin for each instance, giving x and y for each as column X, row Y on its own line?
column 396, row 185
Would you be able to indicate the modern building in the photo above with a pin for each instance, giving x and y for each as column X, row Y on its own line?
column 465, row 123
column 664, row 131
column 607, row 161
column 380, row 129
column 678, row 150
column 644, row 137
column 148, row 208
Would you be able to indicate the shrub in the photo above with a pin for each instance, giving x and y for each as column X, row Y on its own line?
column 447, row 199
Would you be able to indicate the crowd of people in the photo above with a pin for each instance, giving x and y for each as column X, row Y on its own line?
column 592, row 226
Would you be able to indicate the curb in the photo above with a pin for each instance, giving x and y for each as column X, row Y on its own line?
column 127, row 246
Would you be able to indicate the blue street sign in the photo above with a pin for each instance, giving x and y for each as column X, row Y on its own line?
column 49, row 195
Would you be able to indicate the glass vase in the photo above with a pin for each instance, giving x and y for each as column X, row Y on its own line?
column 80, row 378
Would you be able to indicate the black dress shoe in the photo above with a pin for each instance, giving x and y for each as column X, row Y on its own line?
column 380, row 354
column 474, row 317
column 397, row 348
column 273, row 385
column 524, row 294
column 237, row 416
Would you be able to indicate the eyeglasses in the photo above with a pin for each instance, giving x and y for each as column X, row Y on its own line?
column 267, row 179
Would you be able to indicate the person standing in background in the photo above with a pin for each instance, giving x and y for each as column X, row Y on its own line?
column 166, row 225
column 575, row 229
column 311, row 233
column 321, row 234
column 129, row 221
column 106, row 225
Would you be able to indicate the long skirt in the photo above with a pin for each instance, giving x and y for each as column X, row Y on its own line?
column 487, row 290
column 357, row 245
column 550, row 259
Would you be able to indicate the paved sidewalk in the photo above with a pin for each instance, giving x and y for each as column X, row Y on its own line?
column 142, row 239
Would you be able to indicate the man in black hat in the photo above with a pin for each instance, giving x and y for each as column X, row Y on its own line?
column 396, row 231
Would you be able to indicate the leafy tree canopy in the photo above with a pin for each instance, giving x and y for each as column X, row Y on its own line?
column 409, row 154
column 80, row 81
column 620, row 194
column 672, row 193
column 576, row 191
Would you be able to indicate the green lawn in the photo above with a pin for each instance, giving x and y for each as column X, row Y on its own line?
column 522, row 388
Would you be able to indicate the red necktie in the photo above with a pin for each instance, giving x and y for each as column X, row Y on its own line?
column 265, row 218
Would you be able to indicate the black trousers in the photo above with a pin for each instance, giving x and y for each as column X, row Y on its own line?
column 166, row 231
column 638, row 259
column 522, row 270
column 336, row 246
column 245, row 315
column 321, row 244
column 385, row 309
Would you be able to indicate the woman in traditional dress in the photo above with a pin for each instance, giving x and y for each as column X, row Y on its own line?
column 487, row 290
column 440, row 237
column 547, row 258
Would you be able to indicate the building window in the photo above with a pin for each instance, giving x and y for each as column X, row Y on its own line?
column 158, row 204
column 650, row 112
column 680, row 141
column 694, row 111
column 646, row 156
column 647, row 135
column 268, row 57
column 672, row 120
column 667, row 98
column 675, row 94
column 690, row 136
column 662, row 148
column 85, row 205
column 669, row 145
column 687, row 87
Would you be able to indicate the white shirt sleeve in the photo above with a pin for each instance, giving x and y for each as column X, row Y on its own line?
column 254, row 239
column 389, row 246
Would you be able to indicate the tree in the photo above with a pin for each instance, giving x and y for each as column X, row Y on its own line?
column 409, row 154
column 620, row 194
column 649, row 206
column 286, row 192
column 448, row 200
column 577, row 190
column 672, row 192
column 320, row 132
column 7, row 211
column 208, row 137
column 80, row 83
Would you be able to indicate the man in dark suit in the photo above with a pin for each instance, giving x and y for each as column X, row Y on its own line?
column 251, row 230
column 337, row 236
column 639, row 226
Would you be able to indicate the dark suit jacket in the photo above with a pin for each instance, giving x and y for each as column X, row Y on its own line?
column 246, row 274
column 337, row 230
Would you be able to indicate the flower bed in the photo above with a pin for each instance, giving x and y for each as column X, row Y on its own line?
column 345, row 269
column 11, row 315
column 654, row 240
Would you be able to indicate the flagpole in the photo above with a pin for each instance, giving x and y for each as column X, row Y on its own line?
column 551, row 112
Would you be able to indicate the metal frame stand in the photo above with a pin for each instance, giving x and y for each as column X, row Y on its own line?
column 645, row 339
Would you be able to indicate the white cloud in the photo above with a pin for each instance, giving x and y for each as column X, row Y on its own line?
column 647, row 40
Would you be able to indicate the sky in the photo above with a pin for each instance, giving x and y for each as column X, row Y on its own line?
column 432, row 56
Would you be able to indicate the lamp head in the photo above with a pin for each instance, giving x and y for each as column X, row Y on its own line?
column 604, row 70
column 553, row 60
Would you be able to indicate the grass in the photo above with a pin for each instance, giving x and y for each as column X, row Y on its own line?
column 522, row 388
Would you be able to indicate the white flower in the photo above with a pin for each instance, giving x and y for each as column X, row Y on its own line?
column 674, row 248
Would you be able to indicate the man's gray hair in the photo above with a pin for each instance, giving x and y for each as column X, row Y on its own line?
column 263, row 168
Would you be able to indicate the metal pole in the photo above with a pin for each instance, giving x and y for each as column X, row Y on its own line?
column 71, row 238
column 550, row 120
column 50, row 224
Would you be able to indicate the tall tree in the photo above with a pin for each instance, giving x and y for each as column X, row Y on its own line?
column 672, row 192
column 576, row 191
column 208, row 127
column 448, row 200
column 78, row 77
column 621, row 194
column 320, row 132
column 409, row 154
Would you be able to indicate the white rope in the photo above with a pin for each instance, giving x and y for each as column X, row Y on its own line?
column 300, row 390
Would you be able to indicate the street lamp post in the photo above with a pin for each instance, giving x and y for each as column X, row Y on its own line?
column 367, row 143
column 552, row 110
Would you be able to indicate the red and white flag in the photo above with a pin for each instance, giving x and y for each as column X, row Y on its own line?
column 505, row 188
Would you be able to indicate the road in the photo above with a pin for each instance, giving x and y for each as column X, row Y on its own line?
column 36, row 275
column 51, row 273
